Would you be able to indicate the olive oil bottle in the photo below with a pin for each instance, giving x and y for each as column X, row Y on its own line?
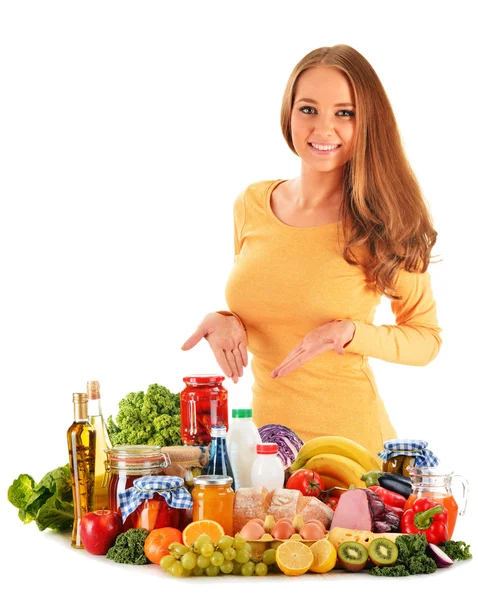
column 95, row 416
column 81, row 437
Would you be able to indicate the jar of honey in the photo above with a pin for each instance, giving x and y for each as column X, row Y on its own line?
column 213, row 499
column 125, row 464
column 203, row 403
column 435, row 484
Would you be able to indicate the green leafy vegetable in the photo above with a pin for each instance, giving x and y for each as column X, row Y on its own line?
column 456, row 550
column 129, row 548
column 147, row 418
column 49, row 502
column 411, row 560
column 398, row 571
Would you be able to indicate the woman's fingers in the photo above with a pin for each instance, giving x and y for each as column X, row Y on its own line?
column 193, row 340
column 298, row 349
column 222, row 361
column 279, row 371
column 243, row 350
column 232, row 364
column 238, row 358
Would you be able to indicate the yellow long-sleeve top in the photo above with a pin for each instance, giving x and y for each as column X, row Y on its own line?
column 287, row 281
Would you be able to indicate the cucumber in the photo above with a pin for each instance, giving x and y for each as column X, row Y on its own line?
column 396, row 483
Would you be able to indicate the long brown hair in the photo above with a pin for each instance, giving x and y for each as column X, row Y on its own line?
column 384, row 210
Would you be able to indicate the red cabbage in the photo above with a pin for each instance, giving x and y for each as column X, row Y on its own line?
column 288, row 442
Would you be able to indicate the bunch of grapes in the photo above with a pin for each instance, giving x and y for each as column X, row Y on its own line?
column 231, row 555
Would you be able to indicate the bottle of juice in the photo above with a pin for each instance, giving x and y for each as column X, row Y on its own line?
column 242, row 439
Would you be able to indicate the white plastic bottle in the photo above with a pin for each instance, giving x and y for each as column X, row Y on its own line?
column 267, row 469
column 242, row 439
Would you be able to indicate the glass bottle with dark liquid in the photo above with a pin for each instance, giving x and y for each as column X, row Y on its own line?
column 81, row 437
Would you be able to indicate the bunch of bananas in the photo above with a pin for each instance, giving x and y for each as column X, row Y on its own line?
column 341, row 462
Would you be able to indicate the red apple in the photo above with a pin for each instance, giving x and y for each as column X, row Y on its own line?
column 99, row 530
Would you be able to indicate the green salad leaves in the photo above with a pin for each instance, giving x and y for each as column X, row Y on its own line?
column 49, row 502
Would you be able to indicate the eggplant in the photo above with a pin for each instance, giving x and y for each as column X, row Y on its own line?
column 441, row 558
column 396, row 483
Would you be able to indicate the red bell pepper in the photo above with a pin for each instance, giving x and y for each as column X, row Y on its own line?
column 427, row 517
column 388, row 497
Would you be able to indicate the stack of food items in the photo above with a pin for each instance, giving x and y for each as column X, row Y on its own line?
column 199, row 497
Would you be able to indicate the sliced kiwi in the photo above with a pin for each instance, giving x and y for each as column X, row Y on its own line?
column 352, row 556
column 383, row 552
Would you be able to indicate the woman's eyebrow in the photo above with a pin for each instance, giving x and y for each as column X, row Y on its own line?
column 310, row 101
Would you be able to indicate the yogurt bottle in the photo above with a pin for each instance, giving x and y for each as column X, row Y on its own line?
column 242, row 439
column 267, row 469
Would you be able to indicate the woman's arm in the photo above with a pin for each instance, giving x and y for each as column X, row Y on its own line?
column 415, row 339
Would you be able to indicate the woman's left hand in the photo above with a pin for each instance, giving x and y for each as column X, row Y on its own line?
column 332, row 336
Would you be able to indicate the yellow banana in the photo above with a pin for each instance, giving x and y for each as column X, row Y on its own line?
column 331, row 482
column 335, row 444
column 340, row 467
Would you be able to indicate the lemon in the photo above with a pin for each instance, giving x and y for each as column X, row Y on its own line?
column 325, row 556
column 294, row 558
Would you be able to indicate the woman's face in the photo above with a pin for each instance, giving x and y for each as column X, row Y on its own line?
column 323, row 114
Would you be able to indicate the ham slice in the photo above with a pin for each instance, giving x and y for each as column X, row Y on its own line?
column 353, row 511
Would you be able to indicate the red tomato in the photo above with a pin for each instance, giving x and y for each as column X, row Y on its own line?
column 306, row 481
column 332, row 502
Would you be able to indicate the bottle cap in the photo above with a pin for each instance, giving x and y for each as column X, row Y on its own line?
column 93, row 389
column 242, row 413
column 267, row 448
column 79, row 398
column 218, row 431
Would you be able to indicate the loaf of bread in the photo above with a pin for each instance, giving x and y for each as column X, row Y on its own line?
column 257, row 503
column 249, row 503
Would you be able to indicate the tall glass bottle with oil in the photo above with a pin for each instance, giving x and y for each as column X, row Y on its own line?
column 81, row 438
column 95, row 417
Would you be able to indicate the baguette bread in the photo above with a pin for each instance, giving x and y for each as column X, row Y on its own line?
column 257, row 503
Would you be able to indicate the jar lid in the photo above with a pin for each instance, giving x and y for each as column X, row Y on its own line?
column 132, row 455
column 203, row 378
column 267, row 448
column 242, row 413
column 212, row 480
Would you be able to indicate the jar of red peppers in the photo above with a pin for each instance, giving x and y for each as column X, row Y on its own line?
column 125, row 464
column 203, row 404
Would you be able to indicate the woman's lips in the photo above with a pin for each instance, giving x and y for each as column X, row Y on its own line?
column 325, row 152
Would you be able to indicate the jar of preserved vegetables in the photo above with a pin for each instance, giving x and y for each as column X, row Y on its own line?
column 213, row 499
column 125, row 464
column 203, row 403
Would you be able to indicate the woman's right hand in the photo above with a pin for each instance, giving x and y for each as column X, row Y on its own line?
column 228, row 341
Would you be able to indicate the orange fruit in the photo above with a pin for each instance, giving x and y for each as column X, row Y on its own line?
column 294, row 558
column 325, row 556
column 157, row 542
column 211, row 528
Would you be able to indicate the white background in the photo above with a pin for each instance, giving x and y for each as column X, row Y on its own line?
column 127, row 132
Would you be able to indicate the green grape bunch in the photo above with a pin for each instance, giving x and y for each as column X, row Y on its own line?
column 231, row 555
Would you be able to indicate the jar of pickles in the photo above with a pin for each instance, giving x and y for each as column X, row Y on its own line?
column 203, row 403
column 213, row 499
column 125, row 464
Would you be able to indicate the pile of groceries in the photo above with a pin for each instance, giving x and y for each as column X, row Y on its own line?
column 173, row 481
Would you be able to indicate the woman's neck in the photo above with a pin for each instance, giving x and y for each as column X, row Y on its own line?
column 315, row 189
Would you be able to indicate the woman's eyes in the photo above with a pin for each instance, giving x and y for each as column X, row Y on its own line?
column 340, row 113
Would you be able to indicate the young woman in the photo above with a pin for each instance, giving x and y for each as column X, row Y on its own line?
column 314, row 255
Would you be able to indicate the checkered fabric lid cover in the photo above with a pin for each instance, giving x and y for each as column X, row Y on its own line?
column 170, row 488
column 417, row 448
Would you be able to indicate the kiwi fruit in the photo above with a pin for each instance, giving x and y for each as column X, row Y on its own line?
column 383, row 552
column 352, row 556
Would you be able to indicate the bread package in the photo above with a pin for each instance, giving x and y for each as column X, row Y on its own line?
column 249, row 503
